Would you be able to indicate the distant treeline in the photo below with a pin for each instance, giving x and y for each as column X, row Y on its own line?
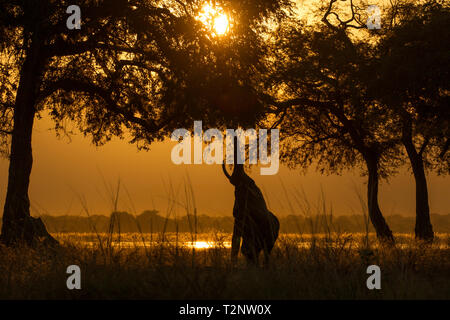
column 151, row 221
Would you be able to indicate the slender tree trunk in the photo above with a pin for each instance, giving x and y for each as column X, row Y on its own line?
column 423, row 229
column 18, row 226
column 382, row 229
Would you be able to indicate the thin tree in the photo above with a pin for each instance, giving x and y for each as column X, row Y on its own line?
column 327, row 116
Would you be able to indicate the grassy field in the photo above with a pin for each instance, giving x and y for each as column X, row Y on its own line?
column 157, row 266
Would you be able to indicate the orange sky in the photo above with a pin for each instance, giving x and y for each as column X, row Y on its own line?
column 62, row 170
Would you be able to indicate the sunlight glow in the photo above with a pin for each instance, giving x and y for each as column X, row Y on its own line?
column 201, row 245
column 221, row 24
column 215, row 19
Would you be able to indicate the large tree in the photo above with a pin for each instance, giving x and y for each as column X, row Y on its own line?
column 411, row 77
column 327, row 115
column 136, row 67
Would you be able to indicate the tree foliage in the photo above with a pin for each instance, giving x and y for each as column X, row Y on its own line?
column 412, row 78
column 136, row 68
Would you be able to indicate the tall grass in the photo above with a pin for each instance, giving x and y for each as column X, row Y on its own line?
column 314, row 265
column 332, row 268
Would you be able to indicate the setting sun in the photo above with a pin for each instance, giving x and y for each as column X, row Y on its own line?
column 221, row 24
column 215, row 19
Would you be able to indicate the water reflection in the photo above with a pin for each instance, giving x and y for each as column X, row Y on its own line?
column 221, row 241
column 141, row 244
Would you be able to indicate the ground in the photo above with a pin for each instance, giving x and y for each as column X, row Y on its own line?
column 326, row 266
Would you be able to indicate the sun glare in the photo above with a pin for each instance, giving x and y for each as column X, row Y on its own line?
column 215, row 19
column 201, row 245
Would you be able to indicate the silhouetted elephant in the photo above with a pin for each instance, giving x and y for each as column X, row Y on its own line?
column 253, row 222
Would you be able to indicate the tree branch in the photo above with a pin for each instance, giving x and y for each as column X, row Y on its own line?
column 70, row 85
column 5, row 131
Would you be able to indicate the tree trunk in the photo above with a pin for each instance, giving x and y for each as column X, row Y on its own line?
column 423, row 229
column 18, row 226
column 383, row 231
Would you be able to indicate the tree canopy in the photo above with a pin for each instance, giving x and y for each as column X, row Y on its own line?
column 136, row 67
